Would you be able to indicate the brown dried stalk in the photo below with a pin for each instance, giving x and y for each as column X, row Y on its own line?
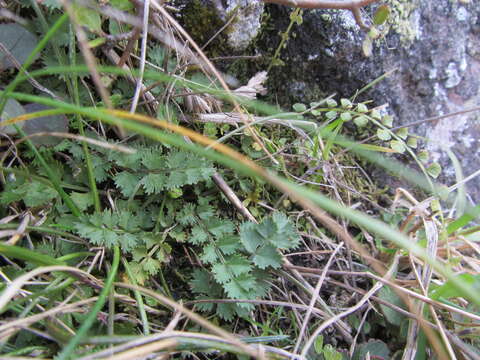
column 353, row 5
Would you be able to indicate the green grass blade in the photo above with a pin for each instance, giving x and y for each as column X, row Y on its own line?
column 34, row 257
column 92, row 315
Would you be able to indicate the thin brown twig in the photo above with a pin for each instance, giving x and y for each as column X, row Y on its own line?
column 353, row 5
column 352, row 309
column 323, row 4
column 413, row 294
column 315, row 295
column 103, row 144
column 256, row 353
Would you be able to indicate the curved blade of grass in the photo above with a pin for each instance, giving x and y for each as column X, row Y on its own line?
column 40, row 229
column 92, row 315
column 470, row 214
column 34, row 257
column 237, row 161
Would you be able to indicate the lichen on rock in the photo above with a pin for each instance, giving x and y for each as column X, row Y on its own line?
column 204, row 18
column 404, row 19
column 246, row 20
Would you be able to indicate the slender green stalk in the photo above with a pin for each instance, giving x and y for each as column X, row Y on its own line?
column 35, row 257
column 39, row 229
column 92, row 315
column 88, row 159
column 139, row 298
column 52, row 176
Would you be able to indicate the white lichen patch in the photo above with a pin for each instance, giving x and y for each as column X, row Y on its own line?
column 405, row 20
column 453, row 77
column 246, row 24
column 462, row 14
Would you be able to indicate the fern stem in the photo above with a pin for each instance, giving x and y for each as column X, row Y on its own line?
column 164, row 283
column 92, row 315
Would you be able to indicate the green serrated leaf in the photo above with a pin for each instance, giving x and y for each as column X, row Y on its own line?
column 209, row 254
column 250, row 237
column 361, row 121
column 423, row 156
column 38, row 194
column 127, row 182
column 412, row 142
column 383, row 134
column 267, row 256
column 298, row 107
column 88, row 17
column 346, row 116
column 198, row 236
column 330, row 115
column 397, row 146
column 434, row 170
column 82, row 200
column 331, row 103
column 240, row 287
column 346, row 104
column 387, row 120
column 375, row 114
column 151, row 266
column 231, row 268
column 201, row 281
column 402, row 133
column 103, row 229
column 229, row 244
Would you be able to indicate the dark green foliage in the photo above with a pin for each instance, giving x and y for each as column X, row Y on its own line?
column 238, row 263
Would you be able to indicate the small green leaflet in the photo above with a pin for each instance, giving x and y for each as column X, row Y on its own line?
column 111, row 229
column 232, row 267
column 262, row 240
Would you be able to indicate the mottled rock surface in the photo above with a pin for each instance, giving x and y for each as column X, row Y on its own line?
column 243, row 18
column 435, row 47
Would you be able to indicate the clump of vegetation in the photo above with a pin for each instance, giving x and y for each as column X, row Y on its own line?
column 119, row 223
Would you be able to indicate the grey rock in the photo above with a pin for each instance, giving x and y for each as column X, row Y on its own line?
column 51, row 123
column 245, row 25
column 243, row 18
column 435, row 47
